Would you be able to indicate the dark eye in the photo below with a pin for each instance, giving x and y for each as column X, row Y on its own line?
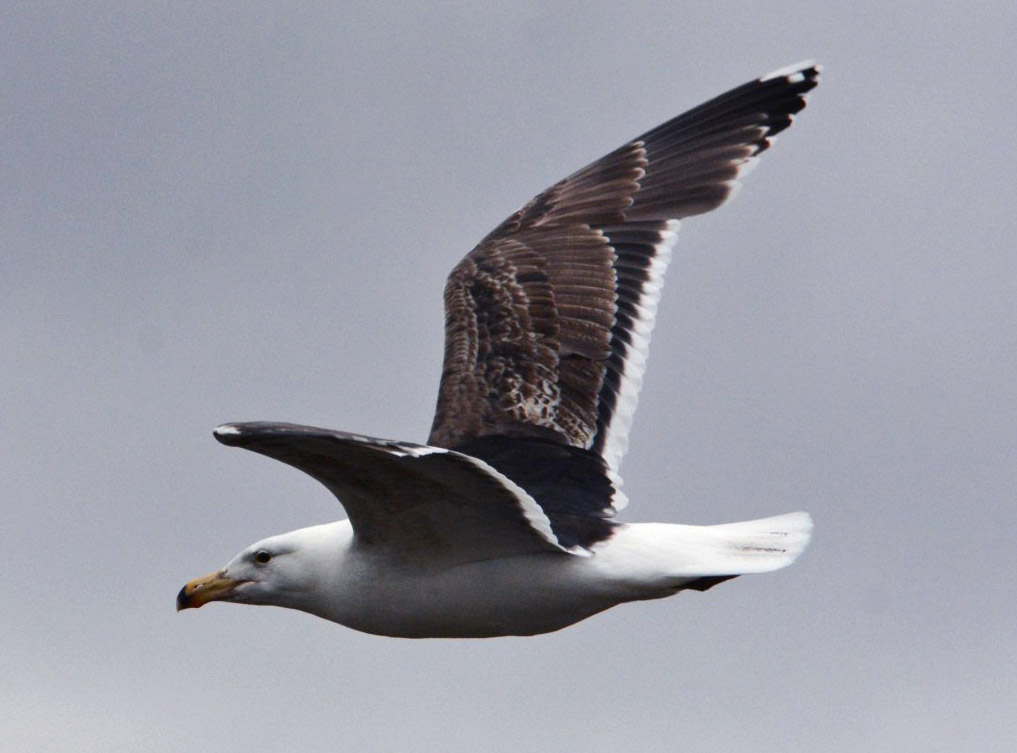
column 262, row 557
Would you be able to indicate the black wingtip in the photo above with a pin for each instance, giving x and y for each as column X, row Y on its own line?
column 247, row 433
column 785, row 93
column 805, row 70
column 228, row 434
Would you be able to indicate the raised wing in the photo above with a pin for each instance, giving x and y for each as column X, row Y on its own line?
column 548, row 319
column 447, row 506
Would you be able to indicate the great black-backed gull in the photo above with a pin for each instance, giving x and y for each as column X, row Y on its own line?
column 503, row 524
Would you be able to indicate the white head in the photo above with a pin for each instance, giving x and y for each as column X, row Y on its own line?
column 278, row 571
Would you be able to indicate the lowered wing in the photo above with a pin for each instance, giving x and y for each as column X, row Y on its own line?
column 407, row 498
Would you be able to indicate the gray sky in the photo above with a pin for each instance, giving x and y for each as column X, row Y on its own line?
column 215, row 212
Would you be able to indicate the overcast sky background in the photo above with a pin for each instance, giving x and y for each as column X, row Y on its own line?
column 232, row 211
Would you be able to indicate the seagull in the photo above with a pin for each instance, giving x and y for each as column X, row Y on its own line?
column 503, row 523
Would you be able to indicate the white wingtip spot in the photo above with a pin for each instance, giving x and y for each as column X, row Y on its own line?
column 225, row 430
column 422, row 450
column 793, row 73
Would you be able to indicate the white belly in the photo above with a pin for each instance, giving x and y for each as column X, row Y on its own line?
column 524, row 595
column 540, row 593
column 513, row 596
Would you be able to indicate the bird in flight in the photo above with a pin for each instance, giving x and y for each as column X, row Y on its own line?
column 504, row 522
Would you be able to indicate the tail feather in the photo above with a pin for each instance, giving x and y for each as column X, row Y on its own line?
column 657, row 559
column 754, row 546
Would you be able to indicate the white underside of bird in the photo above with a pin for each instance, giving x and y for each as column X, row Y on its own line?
column 322, row 571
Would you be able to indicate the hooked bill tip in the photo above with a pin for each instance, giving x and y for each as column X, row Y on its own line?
column 183, row 599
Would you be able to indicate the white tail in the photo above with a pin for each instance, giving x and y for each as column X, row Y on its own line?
column 669, row 555
column 755, row 546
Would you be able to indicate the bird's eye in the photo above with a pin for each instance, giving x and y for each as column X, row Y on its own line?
column 262, row 557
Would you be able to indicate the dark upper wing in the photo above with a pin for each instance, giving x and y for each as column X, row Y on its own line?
column 414, row 500
column 548, row 319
